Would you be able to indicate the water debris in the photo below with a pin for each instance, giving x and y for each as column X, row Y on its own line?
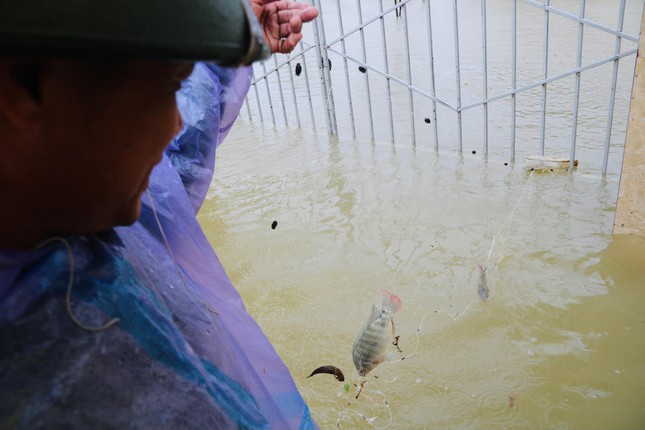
column 482, row 287
column 427, row 120
column 370, row 347
column 298, row 69
column 332, row 370
column 274, row 224
column 362, row 69
column 474, row 152
column 511, row 400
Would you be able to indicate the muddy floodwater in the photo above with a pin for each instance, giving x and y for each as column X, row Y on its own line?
column 310, row 229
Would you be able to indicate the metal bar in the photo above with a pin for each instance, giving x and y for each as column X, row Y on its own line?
column 547, row 81
column 513, row 76
column 457, row 75
column 257, row 95
column 432, row 80
column 576, row 95
column 545, row 75
column 583, row 20
column 367, row 82
column 248, row 108
column 495, row 97
column 387, row 71
column 375, row 18
column 307, row 86
column 281, row 64
column 284, row 106
column 535, row 3
column 349, row 91
column 485, row 77
column 266, row 82
column 612, row 97
column 399, row 81
column 409, row 73
column 325, row 77
column 295, row 97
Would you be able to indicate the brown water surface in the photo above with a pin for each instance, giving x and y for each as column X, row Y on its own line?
column 560, row 342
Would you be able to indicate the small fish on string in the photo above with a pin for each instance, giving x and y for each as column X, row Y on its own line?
column 482, row 286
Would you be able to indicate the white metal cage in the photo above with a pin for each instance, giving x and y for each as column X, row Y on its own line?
column 497, row 78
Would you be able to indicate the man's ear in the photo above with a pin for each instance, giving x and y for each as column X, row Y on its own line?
column 20, row 91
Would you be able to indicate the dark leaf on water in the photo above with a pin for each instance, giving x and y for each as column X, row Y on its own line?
column 332, row 370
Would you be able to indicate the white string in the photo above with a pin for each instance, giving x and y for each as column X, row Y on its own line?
column 172, row 255
column 368, row 420
column 68, row 296
column 509, row 217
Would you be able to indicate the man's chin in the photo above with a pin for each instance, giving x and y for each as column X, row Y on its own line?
column 130, row 216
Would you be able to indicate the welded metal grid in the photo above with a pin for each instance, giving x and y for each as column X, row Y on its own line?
column 409, row 85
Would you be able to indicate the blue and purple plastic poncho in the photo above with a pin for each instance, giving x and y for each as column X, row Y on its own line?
column 185, row 353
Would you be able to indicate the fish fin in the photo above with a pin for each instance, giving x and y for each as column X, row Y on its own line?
column 391, row 301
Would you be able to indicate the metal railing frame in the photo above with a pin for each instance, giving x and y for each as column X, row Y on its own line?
column 322, row 48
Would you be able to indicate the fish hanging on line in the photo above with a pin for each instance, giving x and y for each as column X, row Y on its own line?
column 482, row 287
column 370, row 347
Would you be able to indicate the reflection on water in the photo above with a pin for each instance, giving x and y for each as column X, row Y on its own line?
column 558, row 344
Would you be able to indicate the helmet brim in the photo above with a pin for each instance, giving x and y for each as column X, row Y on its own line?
column 224, row 31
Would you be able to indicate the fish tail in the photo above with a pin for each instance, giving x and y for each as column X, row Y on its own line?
column 390, row 301
column 482, row 269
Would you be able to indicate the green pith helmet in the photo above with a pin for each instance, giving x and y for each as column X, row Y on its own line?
column 224, row 31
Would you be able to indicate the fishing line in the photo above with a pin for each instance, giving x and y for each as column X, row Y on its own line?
column 172, row 256
column 510, row 216
column 418, row 331
column 420, row 212
column 368, row 420
column 416, row 349
column 68, row 296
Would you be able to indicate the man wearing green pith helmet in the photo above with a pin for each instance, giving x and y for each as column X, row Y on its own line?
column 114, row 310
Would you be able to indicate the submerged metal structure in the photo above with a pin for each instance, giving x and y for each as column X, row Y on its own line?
column 496, row 78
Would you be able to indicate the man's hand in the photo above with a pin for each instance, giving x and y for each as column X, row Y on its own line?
column 281, row 22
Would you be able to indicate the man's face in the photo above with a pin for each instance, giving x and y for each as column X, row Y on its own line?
column 104, row 127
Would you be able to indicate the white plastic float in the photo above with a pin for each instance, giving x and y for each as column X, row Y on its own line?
column 544, row 163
